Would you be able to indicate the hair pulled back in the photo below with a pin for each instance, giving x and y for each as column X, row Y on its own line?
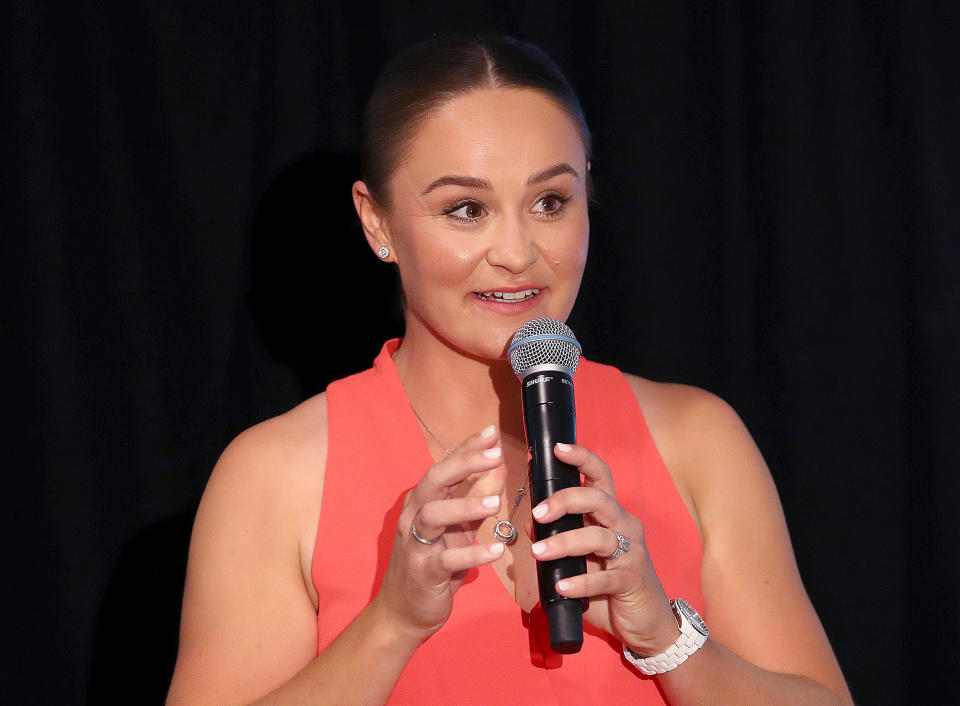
column 423, row 77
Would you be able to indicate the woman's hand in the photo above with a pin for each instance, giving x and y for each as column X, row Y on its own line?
column 626, row 598
column 448, row 504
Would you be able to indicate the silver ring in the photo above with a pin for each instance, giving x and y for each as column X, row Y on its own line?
column 623, row 546
column 416, row 535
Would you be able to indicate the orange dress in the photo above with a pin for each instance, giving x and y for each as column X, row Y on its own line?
column 489, row 651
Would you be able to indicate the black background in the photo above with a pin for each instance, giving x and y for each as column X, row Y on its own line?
column 776, row 221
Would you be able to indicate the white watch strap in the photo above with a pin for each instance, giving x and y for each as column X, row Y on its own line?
column 690, row 641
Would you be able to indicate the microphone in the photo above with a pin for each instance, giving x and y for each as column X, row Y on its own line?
column 544, row 355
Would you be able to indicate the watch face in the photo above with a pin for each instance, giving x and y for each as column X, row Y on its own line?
column 693, row 616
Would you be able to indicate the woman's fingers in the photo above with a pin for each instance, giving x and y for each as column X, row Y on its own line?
column 596, row 497
column 579, row 542
column 479, row 452
column 445, row 497
column 602, row 506
column 436, row 515
column 450, row 561
column 595, row 471
column 612, row 582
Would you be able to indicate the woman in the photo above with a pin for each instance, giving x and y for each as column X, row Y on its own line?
column 344, row 551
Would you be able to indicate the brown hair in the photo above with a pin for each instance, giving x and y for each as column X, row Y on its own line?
column 421, row 78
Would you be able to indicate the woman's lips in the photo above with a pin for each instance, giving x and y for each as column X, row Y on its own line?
column 505, row 296
column 516, row 301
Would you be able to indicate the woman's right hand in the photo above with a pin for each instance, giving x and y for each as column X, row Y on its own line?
column 450, row 502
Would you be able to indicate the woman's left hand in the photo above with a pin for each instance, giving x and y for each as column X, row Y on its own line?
column 626, row 598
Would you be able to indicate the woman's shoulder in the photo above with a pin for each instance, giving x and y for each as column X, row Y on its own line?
column 282, row 447
column 672, row 409
column 268, row 484
column 668, row 408
column 274, row 469
column 701, row 439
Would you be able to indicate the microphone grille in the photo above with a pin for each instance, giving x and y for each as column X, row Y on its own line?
column 544, row 342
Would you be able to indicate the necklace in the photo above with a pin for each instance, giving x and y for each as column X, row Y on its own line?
column 504, row 530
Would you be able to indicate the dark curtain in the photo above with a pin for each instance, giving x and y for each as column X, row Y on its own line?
column 776, row 221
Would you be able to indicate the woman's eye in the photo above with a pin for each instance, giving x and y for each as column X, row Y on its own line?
column 549, row 205
column 467, row 211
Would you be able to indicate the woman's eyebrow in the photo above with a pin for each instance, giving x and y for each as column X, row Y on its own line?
column 546, row 174
column 456, row 180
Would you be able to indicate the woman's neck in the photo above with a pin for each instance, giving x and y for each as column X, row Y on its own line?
column 456, row 394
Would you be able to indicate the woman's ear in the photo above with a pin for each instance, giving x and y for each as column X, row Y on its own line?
column 374, row 225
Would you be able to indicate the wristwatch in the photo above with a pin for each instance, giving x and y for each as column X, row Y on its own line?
column 693, row 633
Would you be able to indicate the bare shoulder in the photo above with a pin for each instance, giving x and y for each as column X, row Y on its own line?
column 690, row 427
column 706, row 446
column 275, row 469
column 249, row 617
column 672, row 408
column 282, row 454
column 747, row 556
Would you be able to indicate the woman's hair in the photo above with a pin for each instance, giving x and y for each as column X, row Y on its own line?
column 424, row 76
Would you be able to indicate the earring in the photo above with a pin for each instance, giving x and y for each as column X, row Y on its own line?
column 383, row 252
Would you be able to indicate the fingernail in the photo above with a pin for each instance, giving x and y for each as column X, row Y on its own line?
column 488, row 431
column 496, row 548
column 540, row 510
column 564, row 447
column 491, row 501
column 563, row 585
column 493, row 453
column 538, row 548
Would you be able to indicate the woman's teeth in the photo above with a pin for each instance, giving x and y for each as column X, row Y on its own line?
column 520, row 296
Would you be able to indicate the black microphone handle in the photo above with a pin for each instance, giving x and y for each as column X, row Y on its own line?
column 550, row 417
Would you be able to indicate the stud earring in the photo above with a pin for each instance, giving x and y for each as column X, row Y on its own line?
column 383, row 252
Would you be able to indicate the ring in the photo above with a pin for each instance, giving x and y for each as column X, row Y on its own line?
column 623, row 546
column 416, row 535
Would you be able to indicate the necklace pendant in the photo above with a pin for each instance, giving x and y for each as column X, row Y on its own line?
column 505, row 532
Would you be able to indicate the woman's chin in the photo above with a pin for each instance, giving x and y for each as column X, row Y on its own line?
column 490, row 346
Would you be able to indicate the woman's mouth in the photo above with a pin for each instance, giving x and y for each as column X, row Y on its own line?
column 508, row 297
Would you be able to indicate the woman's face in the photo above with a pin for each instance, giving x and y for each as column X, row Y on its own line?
column 488, row 218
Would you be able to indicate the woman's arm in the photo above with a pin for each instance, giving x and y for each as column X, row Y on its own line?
column 249, row 627
column 248, row 622
column 766, row 642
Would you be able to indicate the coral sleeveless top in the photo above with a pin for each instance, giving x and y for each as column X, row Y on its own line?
column 489, row 651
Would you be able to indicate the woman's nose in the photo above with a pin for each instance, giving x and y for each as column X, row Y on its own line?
column 512, row 248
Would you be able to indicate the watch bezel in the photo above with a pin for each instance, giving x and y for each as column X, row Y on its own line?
column 692, row 616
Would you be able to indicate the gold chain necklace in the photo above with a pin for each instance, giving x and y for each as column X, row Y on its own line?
column 504, row 530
